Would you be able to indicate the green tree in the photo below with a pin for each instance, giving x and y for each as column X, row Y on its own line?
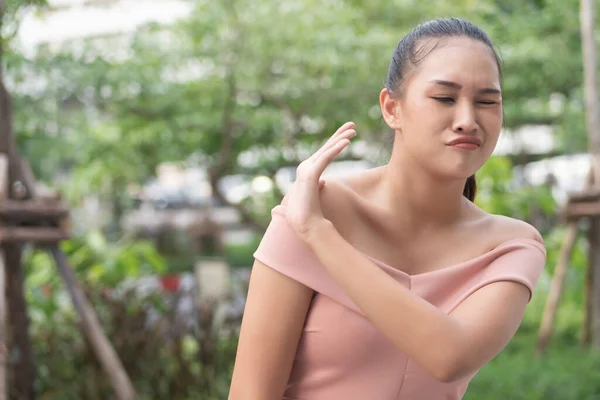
column 242, row 87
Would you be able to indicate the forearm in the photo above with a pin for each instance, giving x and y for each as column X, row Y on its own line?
column 420, row 330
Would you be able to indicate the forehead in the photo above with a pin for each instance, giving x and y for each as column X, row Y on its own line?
column 462, row 60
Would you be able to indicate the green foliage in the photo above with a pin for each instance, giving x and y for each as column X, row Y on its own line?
column 565, row 372
column 241, row 255
column 96, row 261
column 496, row 192
column 10, row 15
column 235, row 78
column 187, row 363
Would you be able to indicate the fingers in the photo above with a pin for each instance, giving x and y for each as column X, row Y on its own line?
column 328, row 155
column 311, row 169
column 345, row 131
column 347, row 125
column 346, row 135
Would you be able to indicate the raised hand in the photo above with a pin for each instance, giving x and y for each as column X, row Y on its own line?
column 303, row 210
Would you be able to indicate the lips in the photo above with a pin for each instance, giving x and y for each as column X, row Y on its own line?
column 465, row 140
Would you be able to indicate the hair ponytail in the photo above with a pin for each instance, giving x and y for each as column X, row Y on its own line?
column 470, row 188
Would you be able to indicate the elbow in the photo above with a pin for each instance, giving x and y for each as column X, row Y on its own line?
column 448, row 374
column 450, row 368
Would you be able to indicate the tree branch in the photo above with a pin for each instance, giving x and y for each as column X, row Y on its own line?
column 225, row 155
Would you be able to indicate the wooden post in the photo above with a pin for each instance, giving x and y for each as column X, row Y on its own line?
column 89, row 322
column 587, row 19
column 3, row 196
column 102, row 347
column 556, row 288
column 586, row 334
column 3, row 382
column 20, row 353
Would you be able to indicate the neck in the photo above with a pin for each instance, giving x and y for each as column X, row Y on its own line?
column 419, row 199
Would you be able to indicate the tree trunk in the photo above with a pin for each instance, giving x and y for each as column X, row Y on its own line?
column 587, row 17
column 22, row 371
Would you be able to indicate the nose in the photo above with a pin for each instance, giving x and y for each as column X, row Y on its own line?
column 465, row 120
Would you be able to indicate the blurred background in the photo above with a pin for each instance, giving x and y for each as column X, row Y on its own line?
column 172, row 127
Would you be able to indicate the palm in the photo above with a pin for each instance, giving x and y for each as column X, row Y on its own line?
column 303, row 209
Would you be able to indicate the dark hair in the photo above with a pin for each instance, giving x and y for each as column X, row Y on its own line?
column 415, row 46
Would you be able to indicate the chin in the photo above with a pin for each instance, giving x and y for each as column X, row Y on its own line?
column 461, row 171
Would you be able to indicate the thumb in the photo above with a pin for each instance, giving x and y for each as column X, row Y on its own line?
column 321, row 183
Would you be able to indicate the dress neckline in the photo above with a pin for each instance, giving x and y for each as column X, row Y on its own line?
column 452, row 267
column 457, row 266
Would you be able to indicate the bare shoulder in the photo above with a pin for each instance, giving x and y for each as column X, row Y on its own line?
column 506, row 228
column 338, row 197
column 349, row 194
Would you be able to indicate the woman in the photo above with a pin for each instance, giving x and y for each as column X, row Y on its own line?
column 392, row 284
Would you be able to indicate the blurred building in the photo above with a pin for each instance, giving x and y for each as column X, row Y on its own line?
column 68, row 20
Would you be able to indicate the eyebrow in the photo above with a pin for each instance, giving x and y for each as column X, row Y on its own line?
column 455, row 85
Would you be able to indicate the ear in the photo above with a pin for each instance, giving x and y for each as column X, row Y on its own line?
column 390, row 109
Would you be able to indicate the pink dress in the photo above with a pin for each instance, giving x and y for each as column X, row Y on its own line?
column 342, row 356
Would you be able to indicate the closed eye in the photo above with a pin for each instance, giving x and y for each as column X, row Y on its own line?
column 452, row 100
column 444, row 99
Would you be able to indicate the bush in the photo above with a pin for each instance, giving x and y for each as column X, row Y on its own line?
column 564, row 373
column 167, row 355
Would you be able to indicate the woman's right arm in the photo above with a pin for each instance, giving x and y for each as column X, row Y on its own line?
column 272, row 324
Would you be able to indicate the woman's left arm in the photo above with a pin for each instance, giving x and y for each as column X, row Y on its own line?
column 449, row 346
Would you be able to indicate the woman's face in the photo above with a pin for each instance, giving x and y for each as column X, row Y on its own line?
column 449, row 115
